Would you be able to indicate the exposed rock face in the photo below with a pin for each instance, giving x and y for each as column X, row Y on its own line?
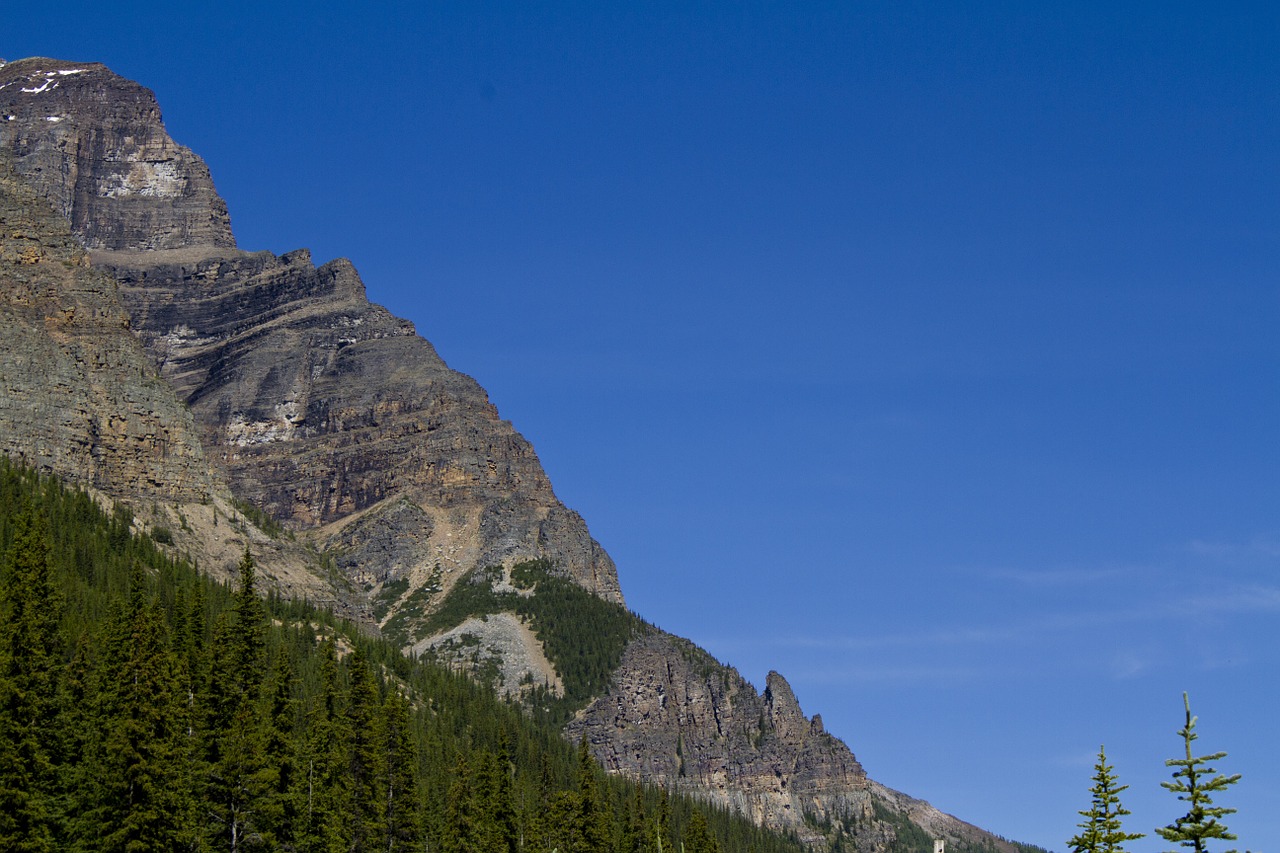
column 676, row 716
column 80, row 397
column 316, row 405
column 92, row 143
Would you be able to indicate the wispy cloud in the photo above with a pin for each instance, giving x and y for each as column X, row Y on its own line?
column 1065, row 576
column 1264, row 545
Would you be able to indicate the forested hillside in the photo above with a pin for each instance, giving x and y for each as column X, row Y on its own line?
column 143, row 707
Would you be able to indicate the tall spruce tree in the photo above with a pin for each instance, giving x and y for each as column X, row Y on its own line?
column 1194, row 781
column 1101, row 831
column 698, row 837
column 30, row 646
column 235, row 788
column 279, row 812
column 364, row 759
column 401, row 808
column 322, row 778
column 141, row 803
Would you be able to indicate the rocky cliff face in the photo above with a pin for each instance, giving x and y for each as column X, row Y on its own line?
column 675, row 716
column 76, row 379
column 93, row 145
column 319, row 407
column 81, row 399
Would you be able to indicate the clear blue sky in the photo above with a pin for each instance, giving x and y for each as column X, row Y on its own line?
column 925, row 352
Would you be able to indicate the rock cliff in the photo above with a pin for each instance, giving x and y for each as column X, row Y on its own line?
column 322, row 409
column 93, row 145
column 676, row 716
column 81, row 400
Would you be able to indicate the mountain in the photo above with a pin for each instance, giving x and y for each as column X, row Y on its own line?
column 421, row 509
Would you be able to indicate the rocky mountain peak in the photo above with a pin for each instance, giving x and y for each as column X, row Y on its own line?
column 94, row 145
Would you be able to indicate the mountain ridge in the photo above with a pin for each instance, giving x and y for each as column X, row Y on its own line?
column 345, row 426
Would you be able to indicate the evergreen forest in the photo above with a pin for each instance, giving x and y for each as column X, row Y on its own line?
column 145, row 707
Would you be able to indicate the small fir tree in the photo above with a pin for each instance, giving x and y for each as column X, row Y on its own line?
column 1100, row 831
column 1194, row 781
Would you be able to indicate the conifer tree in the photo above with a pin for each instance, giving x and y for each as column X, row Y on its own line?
column 234, row 787
column 278, row 777
column 142, row 803
column 1194, row 781
column 400, row 781
column 698, row 837
column 594, row 830
column 1100, row 831
column 30, row 643
column 322, row 782
column 365, row 757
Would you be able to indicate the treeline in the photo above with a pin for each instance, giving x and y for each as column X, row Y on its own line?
column 583, row 636
column 145, row 708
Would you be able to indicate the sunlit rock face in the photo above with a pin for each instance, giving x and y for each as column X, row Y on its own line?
column 316, row 405
column 342, row 423
column 92, row 143
column 80, row 398
column 675, row 715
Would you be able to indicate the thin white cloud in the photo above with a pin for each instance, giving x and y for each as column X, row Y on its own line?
column 1264, row 546
column 1067, row 576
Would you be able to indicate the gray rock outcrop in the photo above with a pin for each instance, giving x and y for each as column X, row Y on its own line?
column 315, row 405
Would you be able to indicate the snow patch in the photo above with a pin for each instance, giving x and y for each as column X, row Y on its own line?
column 43, row 87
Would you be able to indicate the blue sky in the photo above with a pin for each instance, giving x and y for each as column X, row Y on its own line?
column 923, row 352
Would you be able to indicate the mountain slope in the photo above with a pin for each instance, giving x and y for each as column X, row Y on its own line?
column 344, row 425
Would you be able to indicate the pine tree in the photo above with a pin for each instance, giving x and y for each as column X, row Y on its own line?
column 594, row 830
column 401, row 831
column 698, row 837
column 1194, row 782
column 141, row 803
column 322, row 780
column 278, row 777
column 234, row 787
column 30, row 644
column 1101, row 832
column 364, row 807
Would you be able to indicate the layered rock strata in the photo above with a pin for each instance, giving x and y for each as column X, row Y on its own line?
column 80, row 399
column 676, row 716
column 342, row 423
column 316, row 405
column 94, row 146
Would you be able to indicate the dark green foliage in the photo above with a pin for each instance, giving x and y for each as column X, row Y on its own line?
column 261, row 520
column 698, row 837
column 1194, row 781
column 584, row 636
column 907, row 837
column 189, row 715
column 30, row 647
column 1101, row 832
column 388, row 595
